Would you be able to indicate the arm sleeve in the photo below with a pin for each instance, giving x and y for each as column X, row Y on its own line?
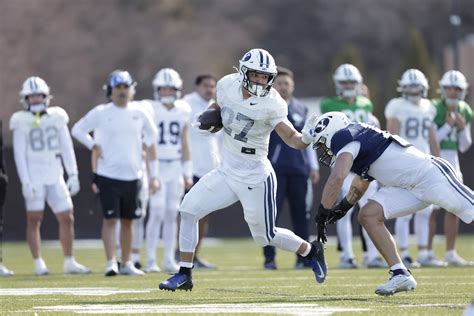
column 443, row 132
column 84, row 126
column 352, row 148
column 20, row 143
column 67, row 151
column 464, row 138
column 150, row 132
column 313, row 162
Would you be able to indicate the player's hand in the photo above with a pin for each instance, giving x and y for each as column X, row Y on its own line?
column 188, row 183
column 307, row 133
column 314, row 176
column 460, row 121
column 29, row 191
column 339, row 211
column 73, row 184
column 203, row 132
column 154, row 186
column 321, row 223
column 450, row 118
column 94, row 185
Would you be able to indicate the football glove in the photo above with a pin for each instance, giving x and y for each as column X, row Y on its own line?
column 339, row 211
column 202, row 132
column 73, row 184
column 321, row 220
column 307, row 133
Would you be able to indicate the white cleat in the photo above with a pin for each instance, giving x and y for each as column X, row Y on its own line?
column 430, row 261
column 40, row 267
column 409, row 263
column 5, row 272
column 170, row 267
column 347, row 264
column 74, row 267
column 152, row 267
column 376, row 262
column 457, row 261
column 111, row 269
column 397, row 283
column 129, row 269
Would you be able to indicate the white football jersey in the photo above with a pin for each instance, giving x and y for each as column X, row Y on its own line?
column 170, row 124
column 415, row 120
column 247, row 127
column 41, row 145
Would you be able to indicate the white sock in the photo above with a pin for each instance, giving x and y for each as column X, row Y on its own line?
column 39, row 262
column 153, row 231
column 402, row 231
column 422, row 226
column 308, row 249
column 431, row 253
column 68, row 259
column 185, row 264
column 450, row 253
column 170, row 231
column 398, row 266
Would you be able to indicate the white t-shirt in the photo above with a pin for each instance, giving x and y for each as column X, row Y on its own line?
column 204, row 149
column 415, row 120
column 40, row 149
column 170, row 124
column 247, row 127
column 120, row 132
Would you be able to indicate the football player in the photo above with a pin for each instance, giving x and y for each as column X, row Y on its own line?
column 411, row 180
column 350, row 101
column 205, row 154
column 453, row 119
column 171, row 116
column 121, row 129
column 411, row 117
column 250, row 110
column 41, row 145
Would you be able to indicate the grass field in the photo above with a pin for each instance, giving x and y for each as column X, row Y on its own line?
column 240, row 285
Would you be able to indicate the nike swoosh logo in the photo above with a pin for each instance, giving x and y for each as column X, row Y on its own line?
column 179, row 284
column 320, row 268
column 251, row 103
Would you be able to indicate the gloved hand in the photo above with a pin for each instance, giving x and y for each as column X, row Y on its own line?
column 321, row 223
column 203, row 132
column 339, row 211
column 28, row 190
column 307, row 133
column 73, row 184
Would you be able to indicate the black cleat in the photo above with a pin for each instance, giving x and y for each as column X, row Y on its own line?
column 318, row 264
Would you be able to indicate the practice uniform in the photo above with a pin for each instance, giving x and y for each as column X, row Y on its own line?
column 411, row 179
column 164, row 203
column 41, row 146
column 415, row 124
column 245, row 174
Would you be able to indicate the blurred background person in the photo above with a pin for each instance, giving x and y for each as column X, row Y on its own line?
column 204, row 148
column 453, row 120
column 120, row 127
column 171, row 117
column 349, row 100
column 293, row 168
column 411, row 117
column 42, row 144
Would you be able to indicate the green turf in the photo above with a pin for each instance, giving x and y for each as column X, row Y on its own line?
column 240, row 283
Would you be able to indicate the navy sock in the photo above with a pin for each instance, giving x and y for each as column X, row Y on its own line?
column 311, row 252
column 183, row 270
column 400, row 271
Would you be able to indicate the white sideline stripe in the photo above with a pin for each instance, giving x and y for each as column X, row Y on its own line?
column 263, row 308
column 84, row 291
column 98, row 244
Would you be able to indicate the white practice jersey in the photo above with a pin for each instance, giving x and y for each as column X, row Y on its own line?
column 247, row 127
column 204, row 149
column 120, row 132
column 41, row 146
column 415, row 120
column 170, row 124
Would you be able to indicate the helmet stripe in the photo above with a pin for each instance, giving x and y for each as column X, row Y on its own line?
column 260, row 57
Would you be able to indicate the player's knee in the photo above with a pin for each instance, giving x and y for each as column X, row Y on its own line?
column 370, row 213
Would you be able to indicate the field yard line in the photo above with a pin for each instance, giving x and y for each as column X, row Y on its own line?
column 85, row 291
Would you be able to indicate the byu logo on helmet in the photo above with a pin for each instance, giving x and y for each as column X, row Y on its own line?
column 322, row 124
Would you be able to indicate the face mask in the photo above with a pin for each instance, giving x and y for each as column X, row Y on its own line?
column 37, row 108
column 168, row 99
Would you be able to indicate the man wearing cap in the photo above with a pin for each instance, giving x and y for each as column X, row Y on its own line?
column 120, row 128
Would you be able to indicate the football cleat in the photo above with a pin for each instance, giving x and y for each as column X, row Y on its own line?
column 269, row 265
column 170, row 266
column 348, row 264
column 397, row 283
column 129, row 269
column 457, row 261
column 430, row 261
column 409, row 263
column 73, row 267
column 177, row 282
column 5, row 272
column 40, row 267
column 318, row 264
column 111, row 269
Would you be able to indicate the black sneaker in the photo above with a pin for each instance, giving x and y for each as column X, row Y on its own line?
column 269, row 265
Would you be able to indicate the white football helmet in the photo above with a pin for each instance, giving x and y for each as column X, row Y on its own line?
column 453, row 78
column 326, row 126
column 167, row 77
column 413, row 85
column 260, row 61
column 35, row 85
column 347, row 73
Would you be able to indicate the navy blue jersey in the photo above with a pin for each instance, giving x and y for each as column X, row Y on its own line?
column 373, row 143
column 287, row 160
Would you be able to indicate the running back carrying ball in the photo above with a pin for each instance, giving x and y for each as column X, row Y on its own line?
column 211, row 119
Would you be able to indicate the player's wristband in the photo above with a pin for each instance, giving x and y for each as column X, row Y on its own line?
column 188, row 168
column 154, row 166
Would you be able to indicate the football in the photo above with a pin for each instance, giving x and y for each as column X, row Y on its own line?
column 211, row 120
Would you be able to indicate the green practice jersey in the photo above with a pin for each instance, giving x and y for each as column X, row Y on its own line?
column 450, row 142
column 356, row 112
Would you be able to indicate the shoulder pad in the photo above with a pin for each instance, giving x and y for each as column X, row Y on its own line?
column 183, row 105
column 59, row 113
column 19, row 118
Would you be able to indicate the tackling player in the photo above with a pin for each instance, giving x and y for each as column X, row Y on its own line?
column 250, row 110
column 171, row 116
column 41, row 145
